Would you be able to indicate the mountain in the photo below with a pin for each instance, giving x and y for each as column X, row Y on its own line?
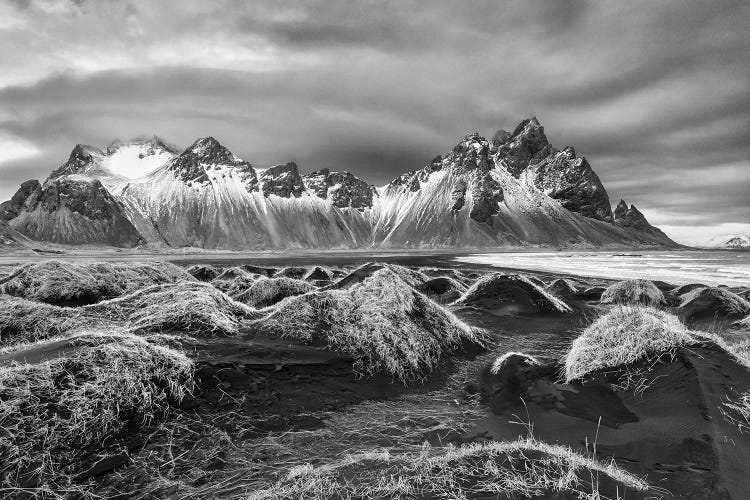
column 736, row 242
column 515, row 190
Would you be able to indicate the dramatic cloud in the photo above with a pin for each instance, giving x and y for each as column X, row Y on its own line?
column 655, row 95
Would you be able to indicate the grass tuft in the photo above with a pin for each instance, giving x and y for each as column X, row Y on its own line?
column 633, row 292
column 713, row 300
column 193, row 307
column 510, row 288
column 382, row 322
column 510, row 359
column 67, row 283
column 63, row 411
column 203, row 273
column 623, row 335
column 519, row 469
column 268, row 291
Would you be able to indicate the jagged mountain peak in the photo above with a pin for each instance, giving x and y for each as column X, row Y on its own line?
column 282, row 180
column 208, row 153
column 149, row 142
column 82, row 158
column 527, row 145
column 344, row 189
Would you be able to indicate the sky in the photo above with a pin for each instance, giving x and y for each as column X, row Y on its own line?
column 656, row 95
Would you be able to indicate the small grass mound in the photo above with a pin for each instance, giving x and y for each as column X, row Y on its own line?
column 318, row 273
column 203, row 273
column 190, row 307
column 683, row 289
column 520, row 469
column 23, row 320
column 383, row 323
column 444, row 287
column 68, row 283
column 562, row 287
column 624, row 335
column 294, row 272
column 634, row 292
column 412, row 277
column 237, row 285
column 262, row 271
column 62, row 413
column 508, row 289
column 713, row 301
column 269, row 291
column 591, row 293
column 512, row 359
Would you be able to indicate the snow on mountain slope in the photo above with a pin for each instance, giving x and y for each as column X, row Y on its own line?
column 137, row 157
column 472, row 197
column 734, row 242
column 120, row 162
column 515, row 190
column 72, row 209
column 207, row 197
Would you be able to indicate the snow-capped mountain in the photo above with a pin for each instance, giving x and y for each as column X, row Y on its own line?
column 735, row 242
column 516, row 189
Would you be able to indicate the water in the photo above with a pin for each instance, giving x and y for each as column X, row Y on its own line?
column 708, row 267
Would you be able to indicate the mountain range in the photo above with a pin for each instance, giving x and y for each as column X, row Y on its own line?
column 515, row 189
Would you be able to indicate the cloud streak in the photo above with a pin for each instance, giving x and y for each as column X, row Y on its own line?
column 655, row 95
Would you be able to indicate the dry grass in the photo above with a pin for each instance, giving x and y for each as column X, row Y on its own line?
column 505, row 287
column 24, row 320
column 561, row 286
column 512, row 358
column 623, row 335
column 522, row 469
column 203, row 273
column 237, row 285
column 60, row 282
column 737, row 411
column 59, row 412
column 191, row 307
column 634, row 292
column 713, row 300
column 294, row 272
column 268, row 291
column 383, row 323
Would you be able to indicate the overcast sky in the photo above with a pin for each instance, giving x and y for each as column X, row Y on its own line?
column 655, row 94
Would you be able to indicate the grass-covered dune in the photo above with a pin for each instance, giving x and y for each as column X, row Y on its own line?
column 203, row 273
column 633, row 292
column 712, row 301
column 63, row 412
column 562, row 287
column 445, row 288
column 520, row 469
column 69, row 283
column 191, row 307
column 412, row 277
column 268, row 291
column 624, row 335
column 498, row 289
column 381, row 322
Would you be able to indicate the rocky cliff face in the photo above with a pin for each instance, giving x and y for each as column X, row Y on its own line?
column 342, row 188
column 514, row 190
column 73, row 209
column 282, row 180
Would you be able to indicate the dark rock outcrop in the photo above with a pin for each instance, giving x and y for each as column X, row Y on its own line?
column 632, row 218
column 81, row 160
column 26, row 196
column 73, row 210
column 526, row 145
column 282, row 180
column 344, row 189
column 570, row 180
column 192, row 165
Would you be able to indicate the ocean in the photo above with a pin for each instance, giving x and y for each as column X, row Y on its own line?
column 709, row 267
